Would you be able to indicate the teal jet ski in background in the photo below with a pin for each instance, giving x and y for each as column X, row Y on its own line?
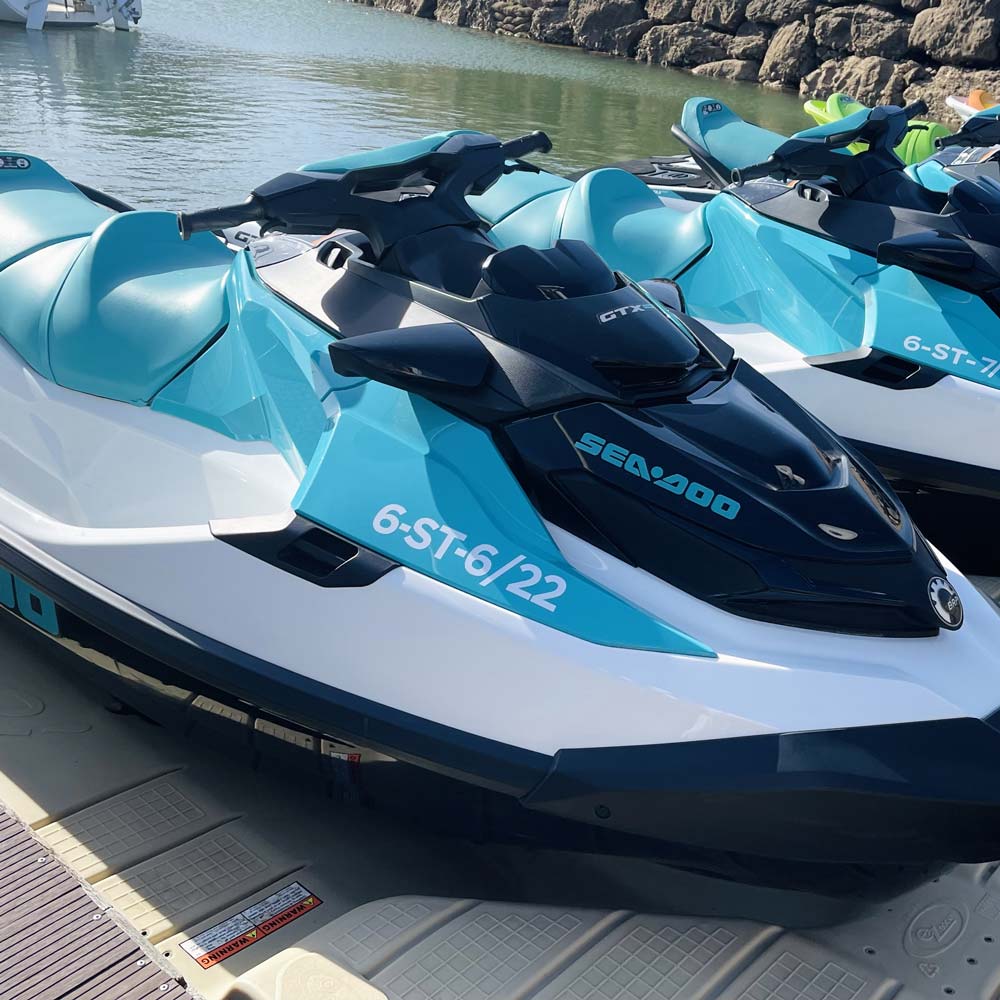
column 973, row 151
column 870, row 299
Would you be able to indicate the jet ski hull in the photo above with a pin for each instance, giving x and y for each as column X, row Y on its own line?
column 801, row 810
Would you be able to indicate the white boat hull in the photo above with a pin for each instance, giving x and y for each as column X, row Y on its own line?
column 38, row 14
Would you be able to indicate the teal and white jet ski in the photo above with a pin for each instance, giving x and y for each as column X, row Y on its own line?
column 505, row 515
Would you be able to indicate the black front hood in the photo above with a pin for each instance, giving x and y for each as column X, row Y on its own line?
column 738, row 497
column 633, row 426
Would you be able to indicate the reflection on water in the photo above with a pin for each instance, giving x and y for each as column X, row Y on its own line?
column 205, row 100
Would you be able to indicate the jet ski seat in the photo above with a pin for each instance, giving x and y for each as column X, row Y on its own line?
column 39, row 207
column 137, row 305
column 116, row 313
column 625, row 222
column 733, row 142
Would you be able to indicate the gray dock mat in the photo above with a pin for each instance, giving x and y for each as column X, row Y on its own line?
column 58, row 941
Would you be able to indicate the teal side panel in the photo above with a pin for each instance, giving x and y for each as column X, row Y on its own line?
column 534, row 225
column 630, row 227
column 28, row 288
column 933, row 324
column 803, row 288
column 264, row 379
column 514, row 191
column 823, row 298
column 403, row 477
column 38, row 207
column 399, row 153
column 731, row 140
column 137, row 305
column 932, row 176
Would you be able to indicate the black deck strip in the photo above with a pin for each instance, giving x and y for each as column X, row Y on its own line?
column 57, row 941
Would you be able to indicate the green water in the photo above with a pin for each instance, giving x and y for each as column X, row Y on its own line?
column 205, row 100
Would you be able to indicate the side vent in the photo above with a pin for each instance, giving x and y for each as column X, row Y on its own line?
column 315, row 554
column 879, row 368
column 305, row 550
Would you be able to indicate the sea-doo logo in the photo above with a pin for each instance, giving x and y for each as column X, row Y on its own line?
column 634, row 464
column 945, row 601
column 934, row 930
column 710, row 109
column 612, row 314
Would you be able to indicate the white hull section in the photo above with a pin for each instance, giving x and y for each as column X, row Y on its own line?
column 906, row 419
column 118, row 498
column 38, row 14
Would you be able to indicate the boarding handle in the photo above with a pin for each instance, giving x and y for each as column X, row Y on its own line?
column 214, row 219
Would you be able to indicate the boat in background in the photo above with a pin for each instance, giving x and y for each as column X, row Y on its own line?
column 38, row 14
column 967, row 107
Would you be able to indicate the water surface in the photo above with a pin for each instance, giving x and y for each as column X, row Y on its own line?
column 205, row 100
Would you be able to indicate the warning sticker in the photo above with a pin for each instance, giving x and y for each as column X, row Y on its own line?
column 225, row 939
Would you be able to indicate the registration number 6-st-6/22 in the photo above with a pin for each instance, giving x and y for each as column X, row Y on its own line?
column 482, row 562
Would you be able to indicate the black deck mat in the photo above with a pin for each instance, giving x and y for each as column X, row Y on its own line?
column 57, row 942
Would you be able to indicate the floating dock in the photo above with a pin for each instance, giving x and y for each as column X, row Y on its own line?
column 135, row 864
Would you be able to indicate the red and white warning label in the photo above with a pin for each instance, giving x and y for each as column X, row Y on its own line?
column 241, row 930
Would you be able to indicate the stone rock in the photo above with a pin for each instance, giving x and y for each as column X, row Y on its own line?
column 682, row 45
column 596, row 22
column 551, row 25
column 417, row 8
column 453, row 12
column 862, row 31
column 750, row 41
column 868, row 79
column 726, row 15
column 669, row 11
column 960, row 32
column 730, row 69
column 512, row 17
column 779, row 11
column 913, row 6
column 791, row 54
column 948, row 80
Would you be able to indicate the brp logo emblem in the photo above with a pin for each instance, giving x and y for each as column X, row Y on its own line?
column 945, row 601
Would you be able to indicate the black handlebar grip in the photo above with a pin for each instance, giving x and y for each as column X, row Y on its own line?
column 210, row 219
column 533, row 142
column 916, row 108
column 754, row 171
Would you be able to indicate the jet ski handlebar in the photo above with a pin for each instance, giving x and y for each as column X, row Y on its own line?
column 210, row 219
column 976, row 131
column 813, row 156
column 321, row 200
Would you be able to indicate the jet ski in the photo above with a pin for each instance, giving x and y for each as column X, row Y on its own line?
column 918, row 142
column 505, row 516
column 869, row 299
column 971, row 152
column 688, row 175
